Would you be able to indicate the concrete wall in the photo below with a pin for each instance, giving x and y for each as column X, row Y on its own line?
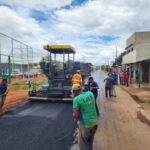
column 138, row 48
column 129, row 58
column 138, row 54
column 135, row 67
column 138, row 38
column 142, row 37
column 130, row 40
column 142, row 51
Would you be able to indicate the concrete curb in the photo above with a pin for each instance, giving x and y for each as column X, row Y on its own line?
column 144, row 116
column 136, row 98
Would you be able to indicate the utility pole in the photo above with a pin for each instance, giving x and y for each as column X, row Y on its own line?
column 116, row 58
column 108, row 61
column 117, row 65
column 9, row 69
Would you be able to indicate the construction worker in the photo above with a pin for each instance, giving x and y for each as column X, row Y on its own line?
column 77, row 78
column 93, row 87
column 84, row 111
column 3, row 89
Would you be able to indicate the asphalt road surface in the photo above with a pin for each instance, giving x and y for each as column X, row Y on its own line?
column 50, row 126
column 37, row 126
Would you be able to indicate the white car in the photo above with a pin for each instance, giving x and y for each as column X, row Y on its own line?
column 30, row 74
column 16, row 73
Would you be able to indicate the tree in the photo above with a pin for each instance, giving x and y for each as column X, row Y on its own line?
column 118, row 61
column 42, row 63
column 106, row 68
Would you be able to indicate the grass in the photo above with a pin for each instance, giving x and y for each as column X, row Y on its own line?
column 16, row 86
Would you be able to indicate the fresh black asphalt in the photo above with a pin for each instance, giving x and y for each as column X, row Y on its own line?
column 40, row 125
column 37, row 126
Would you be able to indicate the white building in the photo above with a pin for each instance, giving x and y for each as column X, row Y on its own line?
column 137, row 57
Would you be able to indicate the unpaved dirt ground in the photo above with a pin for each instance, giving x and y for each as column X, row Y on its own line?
column 13, row 98
column 140, row 95
column 119, row 127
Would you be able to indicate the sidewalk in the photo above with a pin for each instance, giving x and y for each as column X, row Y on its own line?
column 142, row 96
column 119, row 126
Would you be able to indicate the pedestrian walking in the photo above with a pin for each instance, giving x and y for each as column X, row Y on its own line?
column 115, row 78
column 93, row 87
column 3, row 89
column 114, row 89
column 121, row 77
column 108, row 85
column 84, row 111
column 125, row 78
column 77, row 78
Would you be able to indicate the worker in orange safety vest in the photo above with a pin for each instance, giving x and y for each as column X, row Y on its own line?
column 77, row 78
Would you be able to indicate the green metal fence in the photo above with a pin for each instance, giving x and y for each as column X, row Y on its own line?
column 15, row 56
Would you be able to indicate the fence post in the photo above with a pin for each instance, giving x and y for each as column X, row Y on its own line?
column 9, row 69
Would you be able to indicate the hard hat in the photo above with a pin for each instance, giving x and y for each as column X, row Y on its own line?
column 76, row 87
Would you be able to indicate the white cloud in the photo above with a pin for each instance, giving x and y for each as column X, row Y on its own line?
column 38, row 4
column 98, row 17
column 94, row 18
column 26, row 30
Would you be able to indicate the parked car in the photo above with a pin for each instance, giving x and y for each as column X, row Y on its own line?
column 30, row 74
column 16, row 73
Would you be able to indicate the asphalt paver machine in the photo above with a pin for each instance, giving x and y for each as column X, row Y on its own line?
column 59, row 79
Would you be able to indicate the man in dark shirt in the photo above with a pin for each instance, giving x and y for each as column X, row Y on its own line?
column 93, row 87
column 3, row 89
column 108, row 85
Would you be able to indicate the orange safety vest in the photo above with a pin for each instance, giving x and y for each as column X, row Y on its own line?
column 77, row 79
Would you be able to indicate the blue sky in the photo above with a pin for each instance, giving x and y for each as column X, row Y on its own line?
column 38, row 15
column 75, row 3
column 93, row 27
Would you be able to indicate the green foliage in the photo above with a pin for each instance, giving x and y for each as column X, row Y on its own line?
column 42, row 63
column 106, row 68
column 57, row 64
column 25, row 87
column 20, row 87
column 118, row 61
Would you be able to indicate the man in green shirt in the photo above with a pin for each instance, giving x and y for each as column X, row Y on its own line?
column 85, row 112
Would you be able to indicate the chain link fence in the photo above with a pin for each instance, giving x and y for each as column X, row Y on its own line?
column 16, row 58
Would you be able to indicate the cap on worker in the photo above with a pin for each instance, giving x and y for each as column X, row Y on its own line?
column 76, row 87
column 78, row 71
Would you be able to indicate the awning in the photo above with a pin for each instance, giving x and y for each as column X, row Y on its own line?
column 60, row 49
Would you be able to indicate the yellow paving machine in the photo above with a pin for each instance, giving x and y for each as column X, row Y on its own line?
column 59, row 77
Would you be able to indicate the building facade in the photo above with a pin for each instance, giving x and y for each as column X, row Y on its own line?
column 137, row 58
